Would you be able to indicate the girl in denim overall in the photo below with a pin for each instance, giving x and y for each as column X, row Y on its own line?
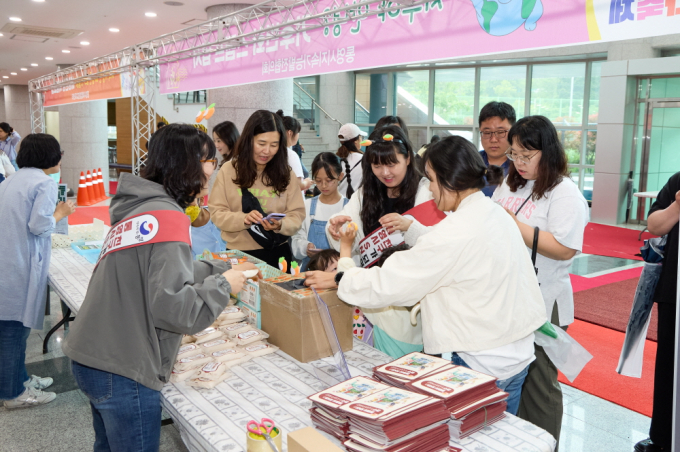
column 327, row 173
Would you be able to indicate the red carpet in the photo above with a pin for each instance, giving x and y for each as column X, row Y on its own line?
column 85, row 215
column 599, row 377
column 609, row 306
column 612, row 241
column 579, row 283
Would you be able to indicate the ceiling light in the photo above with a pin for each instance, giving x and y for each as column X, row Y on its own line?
column 49, row 58
column 13, row 73
column 65, row 51
column 15, row 19
column 39, row 1
column 84, row 43
column 150, row 14
column 114, row 30
column 34, row 65
column 1, row 34
column 24, row 69
column 4, row 76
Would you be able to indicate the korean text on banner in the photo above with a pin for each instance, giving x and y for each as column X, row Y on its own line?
column 430, row 31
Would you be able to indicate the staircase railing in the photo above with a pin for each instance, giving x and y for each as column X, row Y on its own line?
column 307, row 108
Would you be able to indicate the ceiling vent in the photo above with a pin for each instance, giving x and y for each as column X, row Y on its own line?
column 43, row 32
column 28, row 38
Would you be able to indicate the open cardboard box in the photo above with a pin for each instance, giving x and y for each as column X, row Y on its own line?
column 292, row 320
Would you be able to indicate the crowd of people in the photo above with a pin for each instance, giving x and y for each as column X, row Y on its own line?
column 481, row 296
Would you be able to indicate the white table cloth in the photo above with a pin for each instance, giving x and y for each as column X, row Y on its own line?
column 274, row 386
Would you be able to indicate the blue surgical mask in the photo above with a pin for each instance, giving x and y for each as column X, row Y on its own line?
column 56, row 177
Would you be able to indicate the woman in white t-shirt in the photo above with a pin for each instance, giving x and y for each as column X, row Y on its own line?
column 539, row 193
column 311, row 238
column 293, row 129
column 350, row 154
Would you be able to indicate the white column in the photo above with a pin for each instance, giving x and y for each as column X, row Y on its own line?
column 336, row 96
column 237, row 103
column 83, row 136
column 17, row 108
column 616, row 124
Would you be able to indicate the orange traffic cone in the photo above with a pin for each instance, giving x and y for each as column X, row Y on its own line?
column 102, row 191
column 90, row 189
column 83, row 195
column 95, row 186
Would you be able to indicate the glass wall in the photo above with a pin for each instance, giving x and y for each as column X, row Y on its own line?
column 446, row 101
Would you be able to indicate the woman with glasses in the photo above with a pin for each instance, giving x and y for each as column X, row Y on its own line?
column 311, row 238
column 146, row 292
column 539, row 193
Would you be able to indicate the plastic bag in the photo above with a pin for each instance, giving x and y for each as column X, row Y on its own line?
column 631, row 358
column 566, row 354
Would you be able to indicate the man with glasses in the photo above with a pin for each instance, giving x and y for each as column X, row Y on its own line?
column 495, row 120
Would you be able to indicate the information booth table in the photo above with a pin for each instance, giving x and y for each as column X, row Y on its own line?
column 274, row 386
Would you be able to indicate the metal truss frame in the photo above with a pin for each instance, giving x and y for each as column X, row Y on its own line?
column 268, row 20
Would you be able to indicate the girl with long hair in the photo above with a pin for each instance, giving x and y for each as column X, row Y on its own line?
column 225, row 135
column 259, row 181
column 391, row 185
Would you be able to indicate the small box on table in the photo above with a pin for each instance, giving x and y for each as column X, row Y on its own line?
column 309, row 440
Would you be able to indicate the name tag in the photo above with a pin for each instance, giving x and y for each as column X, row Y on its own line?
column 373, row 245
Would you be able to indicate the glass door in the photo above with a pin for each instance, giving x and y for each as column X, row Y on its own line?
column 657, row 157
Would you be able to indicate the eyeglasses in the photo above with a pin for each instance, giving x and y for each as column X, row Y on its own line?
column 520, row 158
column 498, row 134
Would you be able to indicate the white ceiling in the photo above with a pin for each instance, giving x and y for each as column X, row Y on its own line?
column 94, row 18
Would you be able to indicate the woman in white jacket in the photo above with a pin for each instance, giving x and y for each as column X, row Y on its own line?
column 391, row 185
column 6, row 167
column 480, row 296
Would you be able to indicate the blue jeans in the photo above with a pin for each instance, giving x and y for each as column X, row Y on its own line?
column 126, row 415
column 13, row 374
column 512, row 385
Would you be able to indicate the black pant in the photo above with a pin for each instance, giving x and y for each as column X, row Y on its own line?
column 271, row 257
column 661, row 430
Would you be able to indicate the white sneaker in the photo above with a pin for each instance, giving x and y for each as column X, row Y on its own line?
column 30, row 397
column 39, row 382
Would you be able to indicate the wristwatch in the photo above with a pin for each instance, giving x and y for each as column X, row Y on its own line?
column 338, row 277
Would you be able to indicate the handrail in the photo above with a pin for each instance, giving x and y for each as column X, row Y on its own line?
column 316, row 103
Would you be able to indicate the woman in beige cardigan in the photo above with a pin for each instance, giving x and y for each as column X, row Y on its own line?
column 260, row 165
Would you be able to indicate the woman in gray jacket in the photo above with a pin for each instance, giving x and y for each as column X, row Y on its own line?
column 146, row 291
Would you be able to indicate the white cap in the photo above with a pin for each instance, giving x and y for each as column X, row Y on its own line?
column 349, row 132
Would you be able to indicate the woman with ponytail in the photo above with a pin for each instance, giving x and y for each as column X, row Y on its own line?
column 471, row 273
column 351, row 156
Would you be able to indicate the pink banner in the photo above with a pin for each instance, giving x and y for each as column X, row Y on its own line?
column 436, row 30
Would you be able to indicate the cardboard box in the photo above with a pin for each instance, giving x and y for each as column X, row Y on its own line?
column 292, row 320
column 252, row 316
column 309, row 440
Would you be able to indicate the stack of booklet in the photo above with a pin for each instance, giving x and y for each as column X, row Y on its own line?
column 325, row 412
column 472, row 397
column 409, row 368
column 379, row 418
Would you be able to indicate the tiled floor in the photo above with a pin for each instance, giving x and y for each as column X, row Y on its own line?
column 589, row 265
column 589, row 423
